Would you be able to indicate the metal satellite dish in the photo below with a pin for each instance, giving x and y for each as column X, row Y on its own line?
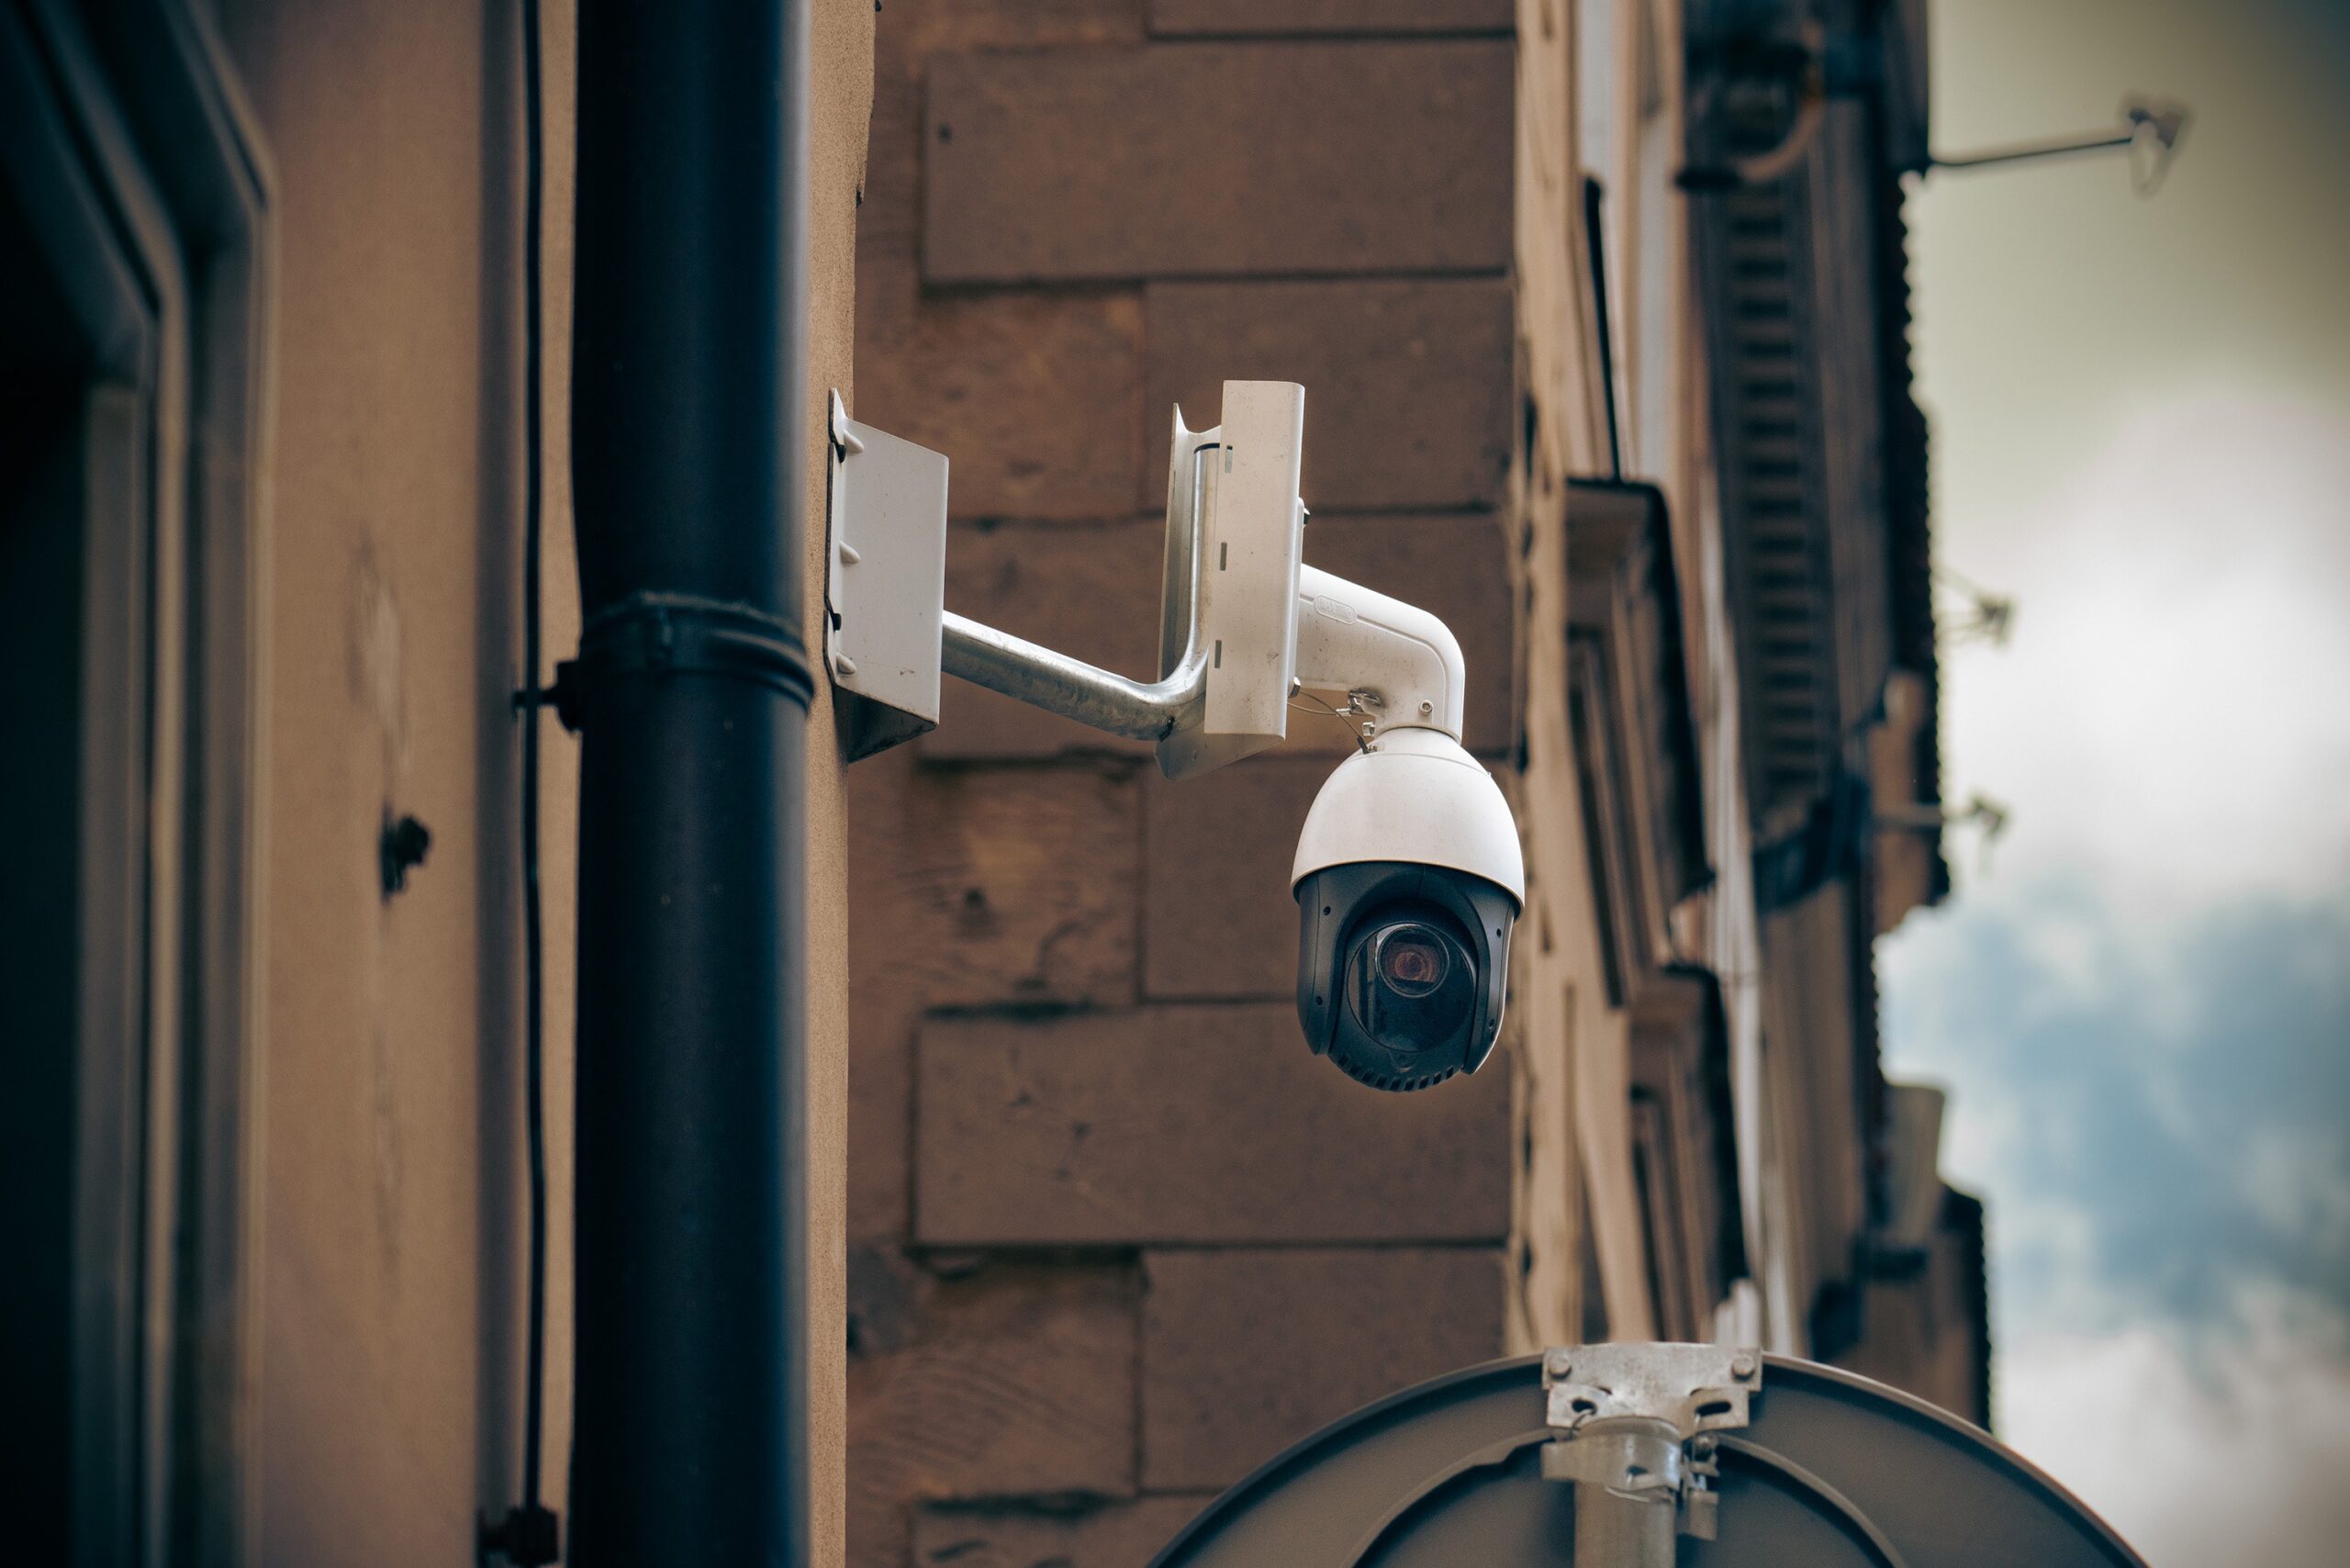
column 1648, row 1456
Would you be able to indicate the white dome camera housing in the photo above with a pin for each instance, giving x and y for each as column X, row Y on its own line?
column 1408, row 876
column 1408, row 879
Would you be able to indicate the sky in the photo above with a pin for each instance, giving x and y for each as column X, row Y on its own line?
column 2139, row 993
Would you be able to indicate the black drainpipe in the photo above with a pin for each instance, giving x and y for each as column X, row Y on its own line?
column 690, row 693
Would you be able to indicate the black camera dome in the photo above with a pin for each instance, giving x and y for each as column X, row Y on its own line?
column 1403, row 969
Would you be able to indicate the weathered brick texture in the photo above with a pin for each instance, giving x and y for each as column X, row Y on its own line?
column 972, row 886
column 1112, row 1535
column 1218, row 921
column 1233, row 19
column 1034, row 396
column 1017, row 1380
column 1218, row 159
column 1407, row 381
column 1245, row 1352
column 1207, row 1124
column 906, row 35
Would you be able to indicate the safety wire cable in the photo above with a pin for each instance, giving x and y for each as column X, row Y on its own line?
column 529, row 1534
column 1321, row 709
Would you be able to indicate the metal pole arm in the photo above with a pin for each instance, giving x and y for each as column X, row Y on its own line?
column 1402, row 663
column 1097, row 698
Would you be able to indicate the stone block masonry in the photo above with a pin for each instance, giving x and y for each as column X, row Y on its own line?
column 1109, row 1212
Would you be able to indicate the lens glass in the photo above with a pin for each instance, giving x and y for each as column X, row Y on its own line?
column 1410, row 984
column 1411, row 960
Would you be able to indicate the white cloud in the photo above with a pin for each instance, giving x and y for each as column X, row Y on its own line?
column 2225, row 1446
column 2173, row 712
column 2295, row 1181
column 2171, row 727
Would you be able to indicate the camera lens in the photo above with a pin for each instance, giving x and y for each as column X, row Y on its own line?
column 1411, row 985
column 1411, row 960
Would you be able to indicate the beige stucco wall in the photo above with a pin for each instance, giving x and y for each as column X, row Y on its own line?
column 841, row 77
column 387, row 1399
column 388, row 1132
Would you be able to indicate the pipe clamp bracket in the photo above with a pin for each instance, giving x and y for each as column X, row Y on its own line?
column 660, row 634
column 1636, row 1423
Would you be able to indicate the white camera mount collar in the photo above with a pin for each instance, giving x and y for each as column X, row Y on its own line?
column 1412, row 782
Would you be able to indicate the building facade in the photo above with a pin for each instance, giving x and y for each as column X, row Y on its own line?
column 1599, row 308
column 1600, row 315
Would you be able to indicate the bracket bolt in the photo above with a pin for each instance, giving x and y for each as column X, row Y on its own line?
column 1742, row 1365
column 1558, row 1364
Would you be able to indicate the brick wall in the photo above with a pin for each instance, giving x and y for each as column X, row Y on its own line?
column 1115, row 1237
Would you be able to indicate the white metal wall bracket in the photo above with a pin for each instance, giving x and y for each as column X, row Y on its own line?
column 885, row 582
column 1245, row 624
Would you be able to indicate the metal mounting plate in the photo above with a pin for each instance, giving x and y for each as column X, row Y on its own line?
column 1249, row 554
column 885, row 582
column 1692, row 1388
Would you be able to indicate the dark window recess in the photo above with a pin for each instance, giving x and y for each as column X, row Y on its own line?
column 1686, row 1148
column 1594, row 235
column 1593, row 755
column 132, row 235
column 1594, row 1292
column 1634, row 736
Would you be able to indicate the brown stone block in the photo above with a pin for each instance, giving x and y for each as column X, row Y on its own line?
column 1407, row 382
column 937, row 25
column 991, row 886
column 971, row 888
column 1243, row 1353
column 1218, row 159
column 1218, row 921
column 1232, row 19
column 1013, row 1380
column 1090, row 592
column 905, row 34
column 1211, row 1123
column 888, row 208
column 1109, row 1535
column 1034, row 397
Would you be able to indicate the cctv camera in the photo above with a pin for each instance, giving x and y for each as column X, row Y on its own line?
column 1408, row 876
column 1408, row 879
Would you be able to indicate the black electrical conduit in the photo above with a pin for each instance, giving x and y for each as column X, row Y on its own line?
column 691, row 694
column 529, row 1535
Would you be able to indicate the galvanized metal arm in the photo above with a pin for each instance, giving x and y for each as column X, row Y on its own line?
column 1098, row 699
